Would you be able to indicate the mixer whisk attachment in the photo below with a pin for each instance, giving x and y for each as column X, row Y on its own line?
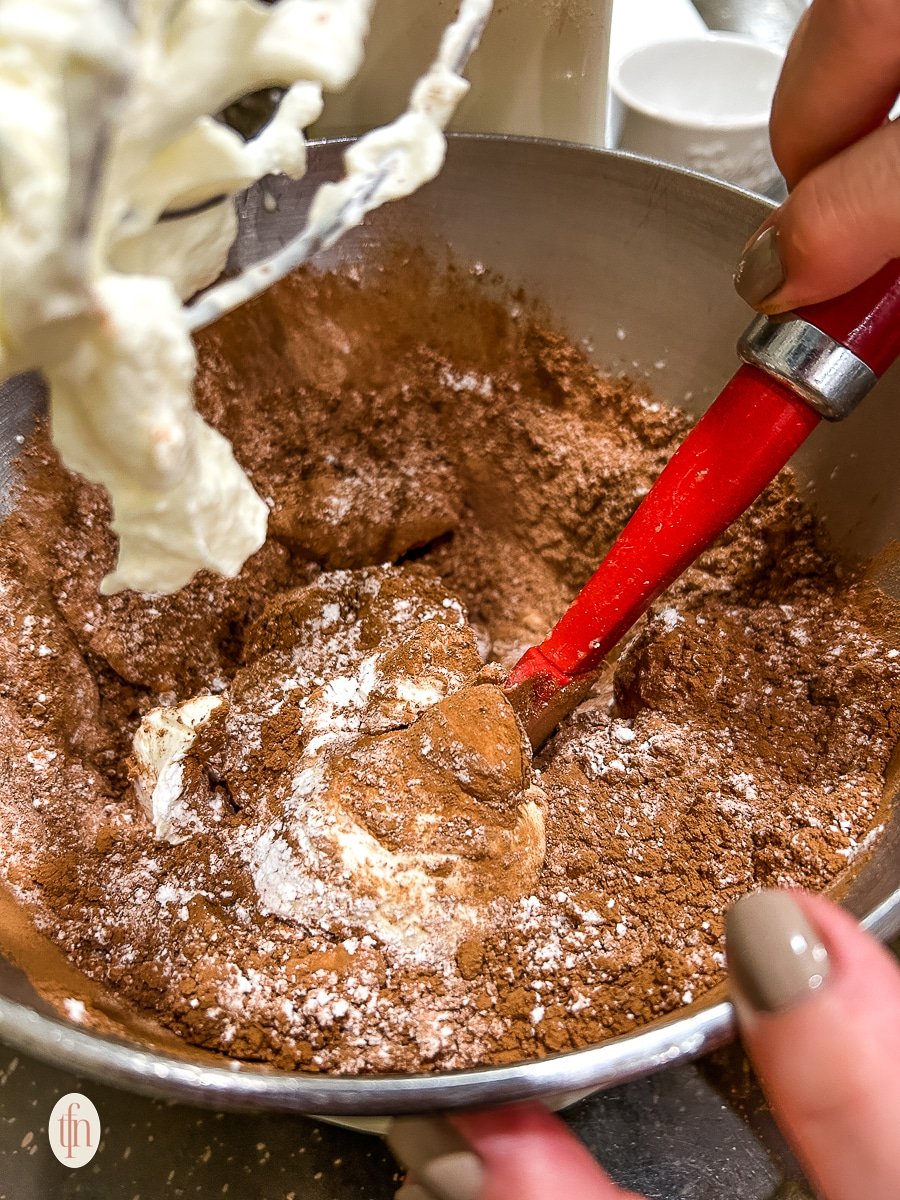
column 108, row 127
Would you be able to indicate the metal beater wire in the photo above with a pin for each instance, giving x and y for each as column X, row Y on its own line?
column 319, row 234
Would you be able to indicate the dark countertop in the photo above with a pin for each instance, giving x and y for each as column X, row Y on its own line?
column 671, row 1137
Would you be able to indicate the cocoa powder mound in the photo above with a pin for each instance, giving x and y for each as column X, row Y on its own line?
column 408, row 416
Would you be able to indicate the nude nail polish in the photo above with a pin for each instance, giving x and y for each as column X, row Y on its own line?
column 760, row 271
column 412, row 1191
column 776, row 960
column 445, row 1166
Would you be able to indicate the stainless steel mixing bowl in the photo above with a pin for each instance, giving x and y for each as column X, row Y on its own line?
column 636, row 258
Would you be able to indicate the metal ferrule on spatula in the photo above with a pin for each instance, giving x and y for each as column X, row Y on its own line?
column 827, row 374
column 831, row 354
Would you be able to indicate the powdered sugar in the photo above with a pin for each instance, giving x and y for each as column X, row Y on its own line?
column 757, row 674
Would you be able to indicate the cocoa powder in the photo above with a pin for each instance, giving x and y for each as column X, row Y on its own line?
column 408, row 416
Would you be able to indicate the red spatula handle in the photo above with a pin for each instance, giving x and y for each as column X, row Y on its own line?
column 866, row 320
column 832, row 353
column 733, row 452
column 726, row 460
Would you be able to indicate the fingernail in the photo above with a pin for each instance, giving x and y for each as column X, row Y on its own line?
column 412, row 1191
column 775, row 958
column 443, row 1162
column 760, row 271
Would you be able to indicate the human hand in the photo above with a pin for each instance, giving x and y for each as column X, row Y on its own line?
column 841, row 222
column 818, row 1005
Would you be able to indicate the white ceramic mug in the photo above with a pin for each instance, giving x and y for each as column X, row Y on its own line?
column 701, row 102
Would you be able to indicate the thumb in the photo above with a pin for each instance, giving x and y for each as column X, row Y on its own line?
column 837, row 228
column 520, row 1151
column 818, row 1003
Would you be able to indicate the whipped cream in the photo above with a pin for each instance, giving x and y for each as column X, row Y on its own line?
column 107, row 122
column 402, row 806
column 388, row 832
column 164, row 738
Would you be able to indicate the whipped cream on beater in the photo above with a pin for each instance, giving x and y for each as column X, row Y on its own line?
column 106, row 123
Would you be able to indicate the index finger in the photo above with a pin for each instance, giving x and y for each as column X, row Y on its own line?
column 530, row 1154
column 823, row 1033
column 840, row 80
column 521, row 1151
